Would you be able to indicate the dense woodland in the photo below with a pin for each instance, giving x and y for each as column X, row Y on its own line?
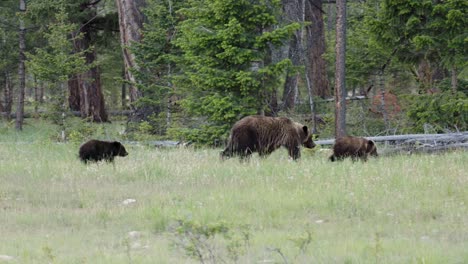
column 188, row 69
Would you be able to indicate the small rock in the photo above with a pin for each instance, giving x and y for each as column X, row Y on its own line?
column 134, row 234
column 128, row 201
column 6, row 258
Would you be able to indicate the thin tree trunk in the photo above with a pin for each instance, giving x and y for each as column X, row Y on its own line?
column 382, row 100
column 21, row 68
column 316, row 48
column 329, row 21
column 2, row 109
column 306, row 63
column 130, row 24
column 340, row 85
column 74, row 93
column 123, row 91
column 41, row 93
column 36, row 96
column 454, row 81
column 293, row 12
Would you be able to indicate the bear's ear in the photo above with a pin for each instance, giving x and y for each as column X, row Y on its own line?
column 116, row 143
column 370, row 146
column 305, row 129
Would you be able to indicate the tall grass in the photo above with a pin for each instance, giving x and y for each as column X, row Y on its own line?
column 399, row 209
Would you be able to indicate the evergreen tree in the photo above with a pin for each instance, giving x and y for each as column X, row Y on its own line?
column 429, row 34
column 156, row 56
column 227, row 71
column 57, row 61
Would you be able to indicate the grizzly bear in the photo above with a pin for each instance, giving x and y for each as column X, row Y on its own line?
column 96, row 150
column 265, row 134
column 354, row 147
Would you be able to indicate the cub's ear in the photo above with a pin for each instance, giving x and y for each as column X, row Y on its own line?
column 305, row 129
column 116, row 143
column 370, row 146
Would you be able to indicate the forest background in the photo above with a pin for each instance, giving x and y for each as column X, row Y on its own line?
column 187, row 70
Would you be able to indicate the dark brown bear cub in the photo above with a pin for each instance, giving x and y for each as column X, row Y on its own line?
column 264, row 135
column 354, row 147
column 96, row 150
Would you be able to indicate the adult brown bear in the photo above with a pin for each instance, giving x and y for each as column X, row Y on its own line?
column 354, row 147
column 96, row 150
column 265, row 134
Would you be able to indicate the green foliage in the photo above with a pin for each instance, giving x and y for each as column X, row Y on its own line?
column 201, row 242
column 226, row 73
column 79, row 131
column 57, row 61
column 8, row 36
column 443, row 112
column 423, row 30
column 202, row 135
column 446, row 85
column 156, row 57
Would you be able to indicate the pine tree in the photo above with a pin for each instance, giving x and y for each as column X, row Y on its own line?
column 227, row 72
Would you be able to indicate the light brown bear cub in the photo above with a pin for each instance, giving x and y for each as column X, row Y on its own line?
column 264, row 135
column 354, row 147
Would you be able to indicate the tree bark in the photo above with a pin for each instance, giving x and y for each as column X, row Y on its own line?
column 293, row 13
column 340, row 84
column 41, row 93
column 36, row 95
column 74, row 93
column 87, row 85
column 130, row 24
column 315, row 49
column 21, row 68
column 123, row 95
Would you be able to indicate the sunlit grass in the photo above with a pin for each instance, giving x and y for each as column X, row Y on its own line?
column 398, row 209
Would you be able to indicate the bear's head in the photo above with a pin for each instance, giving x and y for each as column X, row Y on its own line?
column 306, row 138
column 371, row 148
column 119, row 149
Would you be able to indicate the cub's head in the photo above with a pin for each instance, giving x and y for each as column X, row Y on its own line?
column 371, row 148
column 119, row 149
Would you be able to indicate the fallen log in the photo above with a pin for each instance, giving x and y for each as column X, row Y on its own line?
column 411, row 138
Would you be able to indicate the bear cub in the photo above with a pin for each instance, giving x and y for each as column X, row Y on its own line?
column 96, row 150
column 264, row 134
column 354, row 147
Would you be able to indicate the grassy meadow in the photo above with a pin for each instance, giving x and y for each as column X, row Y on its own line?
column 186, row 206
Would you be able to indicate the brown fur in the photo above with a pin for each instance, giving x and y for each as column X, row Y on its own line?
column 354, row 147
column 264, row 135
column 96, row 150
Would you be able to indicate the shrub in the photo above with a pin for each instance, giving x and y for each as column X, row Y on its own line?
column 444, row 111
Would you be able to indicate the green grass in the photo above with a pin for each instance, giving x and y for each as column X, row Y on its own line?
column 398, row 209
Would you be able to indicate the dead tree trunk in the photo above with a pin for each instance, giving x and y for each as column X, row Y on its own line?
column 315, row 49
column 7, row 96
column 21, row 68
column 340, row 85
column 130, row 24
column 291, row 90
column 36, row 95
column 293, row 13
